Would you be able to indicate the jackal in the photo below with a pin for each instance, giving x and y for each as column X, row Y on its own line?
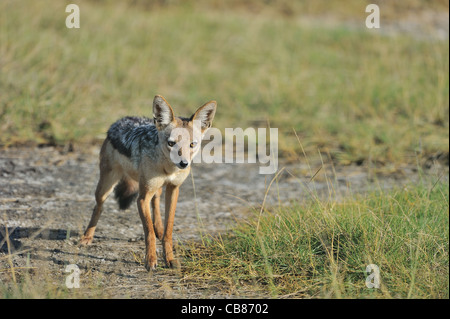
column 138, row 157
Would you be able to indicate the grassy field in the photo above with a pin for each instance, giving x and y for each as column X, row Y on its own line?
column 321, row 249
column 352, row 92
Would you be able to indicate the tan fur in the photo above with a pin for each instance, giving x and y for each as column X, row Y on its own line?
column 155, row 171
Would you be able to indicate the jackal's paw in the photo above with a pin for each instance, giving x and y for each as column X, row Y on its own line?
column 86, row 240
column 150, row 263
column 173, row 264
column 159, row 233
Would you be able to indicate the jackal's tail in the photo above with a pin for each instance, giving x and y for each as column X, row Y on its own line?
column 126, row 192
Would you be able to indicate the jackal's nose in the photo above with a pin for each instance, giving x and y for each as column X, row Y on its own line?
column 184, row 164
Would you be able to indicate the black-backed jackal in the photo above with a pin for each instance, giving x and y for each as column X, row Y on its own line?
column 138, row 157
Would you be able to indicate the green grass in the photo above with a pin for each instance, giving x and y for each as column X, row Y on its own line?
column 321, row 249
column 29, row 285
column 352, row 92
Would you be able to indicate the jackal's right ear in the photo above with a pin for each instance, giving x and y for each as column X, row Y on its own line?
column 162, row 112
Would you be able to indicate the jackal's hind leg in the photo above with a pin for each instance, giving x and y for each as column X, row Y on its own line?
column 104, row 188
column 157, row 222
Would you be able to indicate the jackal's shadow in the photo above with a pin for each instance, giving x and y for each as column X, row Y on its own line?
column 10, row 237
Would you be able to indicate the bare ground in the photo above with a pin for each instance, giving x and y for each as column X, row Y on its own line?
column 46, row 199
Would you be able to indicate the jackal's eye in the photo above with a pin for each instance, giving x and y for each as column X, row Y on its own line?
column 193, row 144
column 171, row 143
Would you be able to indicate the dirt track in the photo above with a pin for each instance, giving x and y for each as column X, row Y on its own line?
column 46, row 199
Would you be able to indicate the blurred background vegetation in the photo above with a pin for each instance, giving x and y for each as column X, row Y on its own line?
column 310, row 68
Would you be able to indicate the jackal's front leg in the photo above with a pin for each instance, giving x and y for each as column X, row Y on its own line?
column 143, row 203
column 172, row 192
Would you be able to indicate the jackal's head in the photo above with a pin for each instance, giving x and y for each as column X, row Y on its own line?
column 181, row 137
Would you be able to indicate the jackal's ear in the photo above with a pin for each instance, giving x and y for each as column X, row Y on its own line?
column 162, row 112
column 205, row 115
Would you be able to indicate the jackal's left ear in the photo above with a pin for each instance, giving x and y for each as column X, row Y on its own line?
column 162, row 112
column 205, row 115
